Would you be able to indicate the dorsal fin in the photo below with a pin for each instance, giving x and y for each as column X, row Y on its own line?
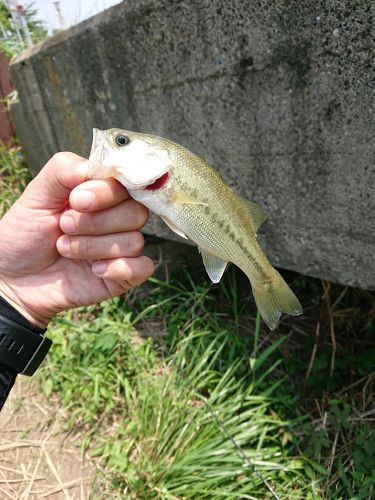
column 258, row 215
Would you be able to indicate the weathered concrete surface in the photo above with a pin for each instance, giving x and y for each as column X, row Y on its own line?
column 278, row 95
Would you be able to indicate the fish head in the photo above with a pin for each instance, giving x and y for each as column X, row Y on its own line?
column 134, row 159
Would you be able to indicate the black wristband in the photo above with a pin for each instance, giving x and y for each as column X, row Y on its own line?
column 20, row 348
column 10, row 312
column 7, row 379
column 8, row 374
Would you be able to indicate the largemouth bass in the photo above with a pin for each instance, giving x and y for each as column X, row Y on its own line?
column 196, row 203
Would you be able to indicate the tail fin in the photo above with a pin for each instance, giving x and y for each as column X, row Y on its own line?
column 274, row 298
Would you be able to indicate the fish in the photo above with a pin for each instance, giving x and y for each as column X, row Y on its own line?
column 197, row 204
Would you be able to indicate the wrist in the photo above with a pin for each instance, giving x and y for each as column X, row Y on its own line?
column 15, row 301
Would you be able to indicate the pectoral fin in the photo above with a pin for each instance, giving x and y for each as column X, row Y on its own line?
column 185, row 198
column 258, row 215
column 174, row 228
column 215, row 267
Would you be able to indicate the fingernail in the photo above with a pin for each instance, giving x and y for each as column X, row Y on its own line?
column 99, row 268
column 64, row 245
column 67, row 224
column 83, row 199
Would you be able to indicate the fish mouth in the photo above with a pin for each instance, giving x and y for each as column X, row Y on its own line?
column 97, row 146
column 158, row 183
column 151, row 184
column 97, row 167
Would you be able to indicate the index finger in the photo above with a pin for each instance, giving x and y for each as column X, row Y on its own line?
column 95, row 195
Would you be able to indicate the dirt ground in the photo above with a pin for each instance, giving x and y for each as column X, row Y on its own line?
column 37, row 459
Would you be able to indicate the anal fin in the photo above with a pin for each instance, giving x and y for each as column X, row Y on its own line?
column 215, row 266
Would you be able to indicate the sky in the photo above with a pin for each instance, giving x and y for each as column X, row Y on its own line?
column 74, row 11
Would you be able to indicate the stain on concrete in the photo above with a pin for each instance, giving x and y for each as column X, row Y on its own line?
column 70, row 121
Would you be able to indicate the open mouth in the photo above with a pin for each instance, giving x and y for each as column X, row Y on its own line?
column 151, row 185
column 158, row 183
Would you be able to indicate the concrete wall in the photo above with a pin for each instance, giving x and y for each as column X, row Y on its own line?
column 278, row 95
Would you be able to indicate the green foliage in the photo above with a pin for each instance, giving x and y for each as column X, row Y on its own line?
column 10, row 42
column 164, row 416
column 14, row 176
column 338, row 401
column 37, row 29
column 343, row 452
column 162, row 382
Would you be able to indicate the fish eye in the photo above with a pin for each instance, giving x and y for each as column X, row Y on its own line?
column 122, row 140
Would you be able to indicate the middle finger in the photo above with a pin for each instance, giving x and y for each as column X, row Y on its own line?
column 126, row 216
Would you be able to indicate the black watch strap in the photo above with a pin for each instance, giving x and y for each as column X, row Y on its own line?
column 8, row 374
column 20, row 348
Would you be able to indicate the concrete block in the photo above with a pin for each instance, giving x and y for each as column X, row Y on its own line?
column 278, row 95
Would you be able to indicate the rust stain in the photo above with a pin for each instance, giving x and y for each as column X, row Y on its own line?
column 6, row 87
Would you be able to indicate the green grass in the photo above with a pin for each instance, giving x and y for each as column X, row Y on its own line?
column 177, row 370
column 179, row 391
column 193, row 417
column 14, row 175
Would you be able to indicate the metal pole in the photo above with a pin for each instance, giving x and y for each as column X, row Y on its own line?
column 24, row 25
column 60, row 15
column 12, row 7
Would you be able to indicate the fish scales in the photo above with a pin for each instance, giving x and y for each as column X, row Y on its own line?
column 195, row 202
column 226, row 241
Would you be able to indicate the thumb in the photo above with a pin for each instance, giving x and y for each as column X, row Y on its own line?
column 52, row 186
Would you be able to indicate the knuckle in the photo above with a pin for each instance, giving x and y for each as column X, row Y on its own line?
column 62, row 159
column 137, row 242
column 74, row 247
column 149, row 266
column 133, row 271
column 84, row 224
column 138, row 273
column 140, row 215
column 92, row 224
column 87, row 224
column 89, row 247
column 129, row 273
column 126, row 272
column 81, row 247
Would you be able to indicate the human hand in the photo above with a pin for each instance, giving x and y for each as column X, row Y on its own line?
column 69, row 242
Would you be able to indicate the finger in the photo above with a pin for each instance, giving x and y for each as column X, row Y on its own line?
column 51, row 187
column 126, row 216
column 97, row 195
column 133, row 271
column 110, row 246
